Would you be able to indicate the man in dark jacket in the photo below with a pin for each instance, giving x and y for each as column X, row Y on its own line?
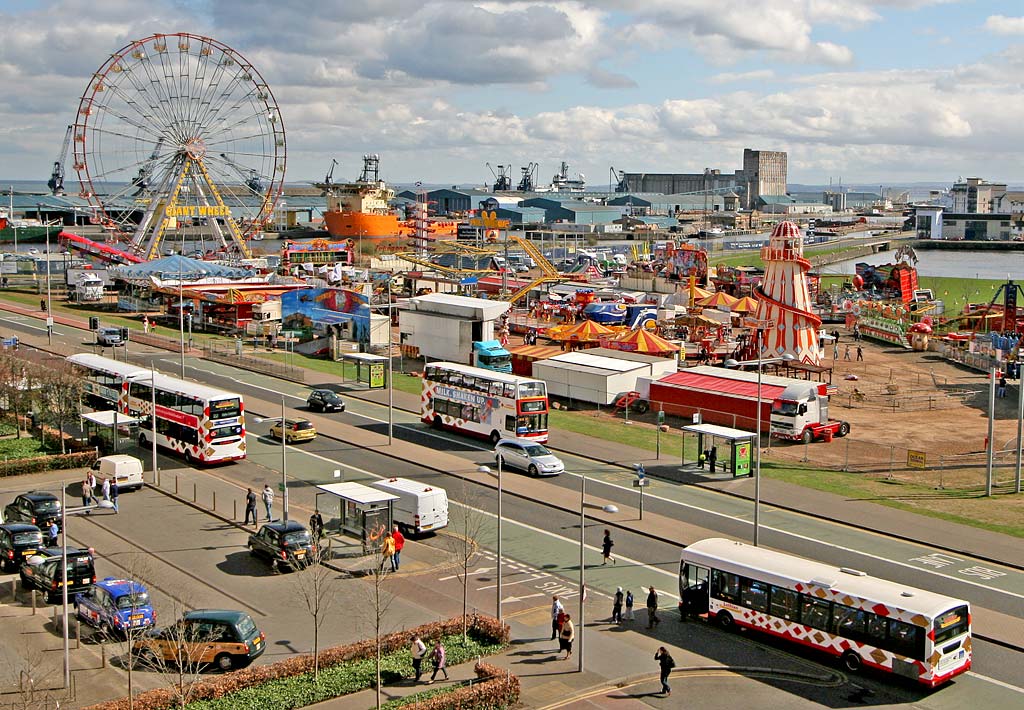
column 250, row 507
column 667, row 663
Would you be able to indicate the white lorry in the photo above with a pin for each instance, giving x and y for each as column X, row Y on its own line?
column 86, row 288
column 420, row 508
column 266, row 318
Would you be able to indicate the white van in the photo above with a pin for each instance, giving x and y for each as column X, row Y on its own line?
column 126, row 470
column 420, row 508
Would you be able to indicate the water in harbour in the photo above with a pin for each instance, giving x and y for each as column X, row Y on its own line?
column 958, row 264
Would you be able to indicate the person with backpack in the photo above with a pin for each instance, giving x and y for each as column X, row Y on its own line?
column 667, row 663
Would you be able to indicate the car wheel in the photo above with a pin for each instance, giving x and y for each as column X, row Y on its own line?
column 844, row 429
column 495, row 438
column 224, row 662
column 533, row 470
column 104, row 630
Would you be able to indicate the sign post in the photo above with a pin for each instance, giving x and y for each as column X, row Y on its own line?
column 641, row 482
column 657, row 436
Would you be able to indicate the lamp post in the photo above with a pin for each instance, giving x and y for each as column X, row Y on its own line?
column 760, row 362
column 181, row 312
column 284, row 457
column 49, row 301
column 487, row 470
column 391, row 405
column 152, row 419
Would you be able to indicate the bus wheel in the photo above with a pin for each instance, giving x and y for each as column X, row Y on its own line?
column 495, row 438
column 852, row 662
column 724, row 621
column 188, row 458
column 142, row 441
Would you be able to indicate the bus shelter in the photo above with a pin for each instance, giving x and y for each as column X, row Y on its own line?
column 107, row 429
column 362, row 512
column 371, row 370
column 739, row 446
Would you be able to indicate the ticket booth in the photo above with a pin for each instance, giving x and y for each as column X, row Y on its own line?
column 356, row 510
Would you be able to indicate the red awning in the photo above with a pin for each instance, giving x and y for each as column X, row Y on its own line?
column 723, row 385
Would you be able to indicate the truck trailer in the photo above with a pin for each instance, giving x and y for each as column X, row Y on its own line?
column 790, row 408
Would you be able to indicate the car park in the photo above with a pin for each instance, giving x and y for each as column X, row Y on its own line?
column 41, row 572
column 325, row 401
column 528, row 456
column 125, row 469
column 283, row 544
column 109, row 337
column 116, row 606
column 210, row 637
column 18, row 541
column 294, row 430
column 38, row 508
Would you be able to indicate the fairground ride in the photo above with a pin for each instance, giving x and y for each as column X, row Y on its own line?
column 178, row 133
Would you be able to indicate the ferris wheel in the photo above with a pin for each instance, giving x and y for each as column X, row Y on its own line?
column 178, row 136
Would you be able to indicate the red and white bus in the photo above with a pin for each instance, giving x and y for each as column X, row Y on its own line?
column 862, row 620
column 203, row 424
column 484, row 403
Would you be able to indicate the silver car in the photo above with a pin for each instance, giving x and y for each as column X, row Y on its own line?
column 528, row 456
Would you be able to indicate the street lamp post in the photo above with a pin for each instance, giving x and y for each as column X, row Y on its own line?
column 49, row 301
column 152, row 419
column 64, row 582
column 284, row 465
column 497, row 603
column 583, row 587
column 181, row 314
column 391, row 394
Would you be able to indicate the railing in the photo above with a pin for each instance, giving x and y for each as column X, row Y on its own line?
column 233, row 355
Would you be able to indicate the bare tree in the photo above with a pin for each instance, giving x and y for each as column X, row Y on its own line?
column 312, row 584
column 176, row 653
column 37, row 679
column 17, row 386
column 463, row 537
column 60, row 392
column 380, row 600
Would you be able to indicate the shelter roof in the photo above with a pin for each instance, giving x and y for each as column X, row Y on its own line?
column 722, row 432
column 178, row 267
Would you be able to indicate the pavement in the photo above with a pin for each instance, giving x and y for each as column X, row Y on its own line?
column 612, row 657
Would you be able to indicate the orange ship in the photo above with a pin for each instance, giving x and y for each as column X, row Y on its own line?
column 362, row 208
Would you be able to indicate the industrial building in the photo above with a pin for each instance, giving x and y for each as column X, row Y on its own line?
column 574, row 211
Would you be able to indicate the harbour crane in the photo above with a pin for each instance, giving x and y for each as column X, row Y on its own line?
column 528, row 182
column 141, row 180
column 329, row 180
column 502, row 178
column 56, row 181
column 251, row 179
column 618, row 179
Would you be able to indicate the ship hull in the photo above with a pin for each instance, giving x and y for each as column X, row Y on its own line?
column 361, row 224
column 26, row 234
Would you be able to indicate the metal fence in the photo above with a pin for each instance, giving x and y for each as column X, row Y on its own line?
column 234, row 355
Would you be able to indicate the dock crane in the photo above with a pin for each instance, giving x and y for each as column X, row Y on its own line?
column 618, row 179
column 141, row 180
column 329, row 180
column 502, row 178
column 250, row 179
column 56, row 181
column 528, row 182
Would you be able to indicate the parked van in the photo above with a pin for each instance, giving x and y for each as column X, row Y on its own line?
column 420, row 508
column 125, row 469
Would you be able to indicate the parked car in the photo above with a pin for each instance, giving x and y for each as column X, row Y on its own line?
column 221, row 638
column 325, row 401
column 18, row 541
column 37, row 508
column 116, row 606
column 127, row 470
column 528, row 456
column 294, row 430
column 109, row 337
column 42, row 572
column 283, row 544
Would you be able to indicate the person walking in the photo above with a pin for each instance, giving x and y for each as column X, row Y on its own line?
column 387, row 552
column 268, row 500
column 652, row 609
column 566, row 636
column 667, row 663
column 86, row 492
column 417, row 649
column 629, row 606
column 399, row 539
column 250, row 507
column 606, row 547
column 106, row 489
column 712, row 458
column 835, row 351
column 846, row 353
column 52, row 533
column 439, row 659
column 860, row 353
column 115, row 491
column 91, row 478
column 316, row 524
column 557, row 612
column 617, row 606
column 1001, row 391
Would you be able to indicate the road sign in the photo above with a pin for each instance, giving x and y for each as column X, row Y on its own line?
column 917, row 459
column 661, row 416
column 696, row 417
column 642, row 483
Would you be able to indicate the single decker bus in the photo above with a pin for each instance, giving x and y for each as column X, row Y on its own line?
column 484, row 403
column 201, row 423
column 862, row 620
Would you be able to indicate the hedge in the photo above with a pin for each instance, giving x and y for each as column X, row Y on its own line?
column 495, row 688
column 16, row 467
column 344, row 669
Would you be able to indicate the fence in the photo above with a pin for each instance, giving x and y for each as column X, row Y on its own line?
column 232, row 354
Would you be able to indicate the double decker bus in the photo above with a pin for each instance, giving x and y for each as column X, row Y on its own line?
column 203, row 424
column 484, row 403
column 862, row 620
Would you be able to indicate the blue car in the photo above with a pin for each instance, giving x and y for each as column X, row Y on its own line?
column 116, row 606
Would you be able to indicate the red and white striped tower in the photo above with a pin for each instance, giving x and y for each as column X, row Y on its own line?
column 783, row 298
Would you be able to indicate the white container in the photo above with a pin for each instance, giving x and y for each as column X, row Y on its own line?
column 420, row 508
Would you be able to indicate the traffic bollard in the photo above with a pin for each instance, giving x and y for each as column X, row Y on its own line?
column 33, row 602
column 103, row 655
column 14, row 590
column 55, row 617
column 234, row 510
column 78, row 633
column 195, row 492
column 175, row 484
column 215, row 501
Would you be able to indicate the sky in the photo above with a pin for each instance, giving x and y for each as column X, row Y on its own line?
column 863, row 91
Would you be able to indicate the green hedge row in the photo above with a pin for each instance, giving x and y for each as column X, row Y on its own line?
column 17, row 467
column 495, row 688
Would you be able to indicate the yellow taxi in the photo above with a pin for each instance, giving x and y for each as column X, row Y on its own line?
column 294, row 430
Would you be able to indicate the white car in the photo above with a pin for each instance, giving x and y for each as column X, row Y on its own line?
column 528, row 456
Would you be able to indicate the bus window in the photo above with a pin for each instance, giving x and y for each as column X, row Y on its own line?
column 510, row 391
column 754, row 595
column 495, row 389
column 906, row 639
column 815, row 613
column 950, row 624
column 785, row 603
column 531, row 389
column 469, row 382
column 848, row 622
column 510, row 422
column 725, row 586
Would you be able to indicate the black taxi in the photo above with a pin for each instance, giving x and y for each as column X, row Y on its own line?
column 41, row 572
column 18, row 541
column 283, row 544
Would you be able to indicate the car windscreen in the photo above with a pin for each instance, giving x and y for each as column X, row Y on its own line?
column 225, row 408
column 296, row 538
column 47, row 506
column 330, row 397
column 28, row 538
column 537, row 450
column 133, row 601
column 301, row 426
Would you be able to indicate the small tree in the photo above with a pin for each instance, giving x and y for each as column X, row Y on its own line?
column 379, row 603
column 17, row 386
column 175, row 654
column 463, row 541
column 60, row 394
column 312, row 585
column 137, row 569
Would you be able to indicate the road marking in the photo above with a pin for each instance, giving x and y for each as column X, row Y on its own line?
column 1001, row 684
column 24, row 325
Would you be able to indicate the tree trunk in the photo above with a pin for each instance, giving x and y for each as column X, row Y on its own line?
column 316, row 649
column 63, row 448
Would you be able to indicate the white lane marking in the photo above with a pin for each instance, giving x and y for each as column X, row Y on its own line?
column 25, row 325
column 1000, row 683
column 248, row 384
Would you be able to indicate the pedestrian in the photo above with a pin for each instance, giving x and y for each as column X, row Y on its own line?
column 387, row 553
column 629, row 606
column 250, row 507
column 846, row 352
column 91, row 478
column 86, row 492
column 439, row 659
column 617, row 606
column 702, row 458
column 557, row 612
column 606, row 547
column 145, row 324
column 667, row 663
column 268, row 500
column 860, row 353
column 1001, row 392
column 652, row 609
column 712, row 458
column 399, row 544
column 835, row 351
column 106, row 489
column 566, row 636
column 53, row 532
column 417, row 649
column 114, row 493
column 316, row 524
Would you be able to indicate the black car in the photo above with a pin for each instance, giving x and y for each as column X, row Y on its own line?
column 287, row 544
column 325, row 401
column 17, row 542
column 37, row 508
column 42, row 572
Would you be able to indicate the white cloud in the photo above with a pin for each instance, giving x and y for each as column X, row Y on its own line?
column 1002, row 25
column 733, row 77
